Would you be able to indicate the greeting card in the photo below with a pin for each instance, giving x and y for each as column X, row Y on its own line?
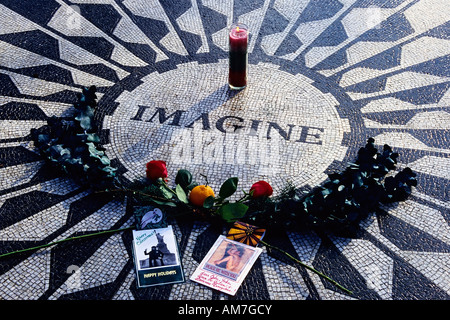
column 226, row 265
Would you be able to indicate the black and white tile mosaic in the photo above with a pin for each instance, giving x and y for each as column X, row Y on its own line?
column 323, row 77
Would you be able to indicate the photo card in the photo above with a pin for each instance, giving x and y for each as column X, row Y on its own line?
column 226, row 265
column 156, row 257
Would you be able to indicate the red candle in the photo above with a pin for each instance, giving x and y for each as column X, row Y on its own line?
column 238, row 40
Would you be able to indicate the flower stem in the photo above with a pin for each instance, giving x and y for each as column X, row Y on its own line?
column 245, row 197
column 307, row 267
column 168, row 188
column 64, row 240
column 138, row 193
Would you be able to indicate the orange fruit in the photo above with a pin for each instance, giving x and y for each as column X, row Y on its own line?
column 199, row 194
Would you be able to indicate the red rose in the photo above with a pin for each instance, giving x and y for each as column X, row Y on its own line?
column 156, row 169
column 261, row 189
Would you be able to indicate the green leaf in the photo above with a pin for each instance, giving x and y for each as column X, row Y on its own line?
column 183, row 178
column 110, row 171
column 93, row 151
column 181, row 194
column 209, row 202
column 228, row 187
column 58, row 150
column 163, row 203
column 93, row 137
column 231, row 212
column 105, row 160
column 43, row 138
column 192, row 185
column 85, row 118
column 166, row 193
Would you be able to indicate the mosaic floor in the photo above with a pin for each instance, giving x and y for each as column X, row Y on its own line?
column 324, row 75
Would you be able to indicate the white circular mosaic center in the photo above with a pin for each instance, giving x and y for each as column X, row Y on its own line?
column 280, row 128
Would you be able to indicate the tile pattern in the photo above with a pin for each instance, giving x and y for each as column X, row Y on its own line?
column 334, row 71
column 190, row 118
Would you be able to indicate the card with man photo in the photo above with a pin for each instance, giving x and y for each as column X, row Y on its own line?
column 156, row 257
column 226, row 265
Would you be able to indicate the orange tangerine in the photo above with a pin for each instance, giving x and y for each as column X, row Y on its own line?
column 199, row 194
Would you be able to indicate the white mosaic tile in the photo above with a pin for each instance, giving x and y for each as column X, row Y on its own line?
column 190, row 289
column 27, row 280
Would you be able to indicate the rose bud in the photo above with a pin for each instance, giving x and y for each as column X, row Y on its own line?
column 156, row 169
column 261, row 189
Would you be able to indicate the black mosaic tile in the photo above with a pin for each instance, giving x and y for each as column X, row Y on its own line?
column 41, row 16
column 384, row 60
column 273, row 22
column 437, row 187
column 331, row 262
column 423, row 95
column 21, row 111
column 104, row 16
column 11, row 156
column 318, row 10
column 7, row 87
column 391, row 29
column 98, row 46
column 334, row 60
column 35, row 41
column 154, row 29
column 405, row 288
column 49, row 72
column 409, row 238
column 68, row 256
column 254, row 286
column 25, row 205
column 101, row 71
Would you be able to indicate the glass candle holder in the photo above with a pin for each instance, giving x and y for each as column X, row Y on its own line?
column 238, row 57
